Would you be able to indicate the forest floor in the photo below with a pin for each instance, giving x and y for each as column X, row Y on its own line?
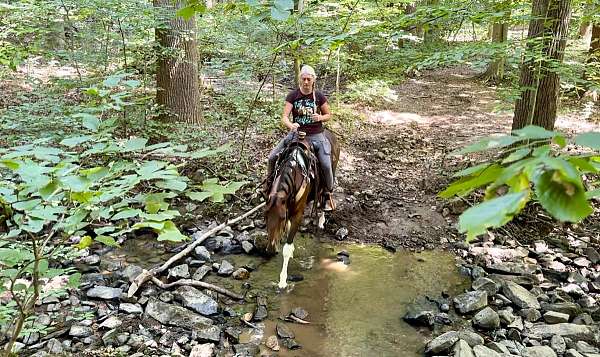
column 395, row 160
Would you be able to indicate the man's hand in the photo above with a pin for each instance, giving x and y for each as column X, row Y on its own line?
column 316, row 117
column 294, row 127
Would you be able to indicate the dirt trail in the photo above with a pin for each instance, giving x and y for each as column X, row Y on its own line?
column 393, row 165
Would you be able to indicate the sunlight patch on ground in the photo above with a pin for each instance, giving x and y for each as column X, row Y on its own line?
column 387, row 117
column 574, row 125
column 38, row 69
column 348, row 162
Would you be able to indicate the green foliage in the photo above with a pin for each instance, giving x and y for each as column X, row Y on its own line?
column 530, row 157
column 373, row 92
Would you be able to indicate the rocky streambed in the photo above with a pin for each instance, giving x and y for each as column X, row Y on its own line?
column 345, row 299
column 524, row 300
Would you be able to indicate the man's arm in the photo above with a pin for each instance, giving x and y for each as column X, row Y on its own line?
column 285, row 117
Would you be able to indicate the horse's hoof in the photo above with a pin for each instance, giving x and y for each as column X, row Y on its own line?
column 282, row 285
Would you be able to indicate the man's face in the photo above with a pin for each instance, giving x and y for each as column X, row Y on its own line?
column 306, row 81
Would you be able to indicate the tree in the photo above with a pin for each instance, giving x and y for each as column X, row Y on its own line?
column 177, row 73
column 539, row 80
column 495, row 70
column 595, row 43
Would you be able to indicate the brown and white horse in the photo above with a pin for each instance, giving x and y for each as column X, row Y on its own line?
column 296, row 183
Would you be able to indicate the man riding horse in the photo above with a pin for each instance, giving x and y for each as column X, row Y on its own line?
column 309, row 109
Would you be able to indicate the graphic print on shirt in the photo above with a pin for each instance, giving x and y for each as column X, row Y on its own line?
column 305, row 109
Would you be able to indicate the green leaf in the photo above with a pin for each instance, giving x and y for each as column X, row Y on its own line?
column 186, row 12
column 472, row 170
column 284, row 4
column 10, row 164
column 26, row 205
column 219, row 191
column 149, row 224
column 534, row 132
column 563, row 199
column 170, row 233
column 127, row 213
column 89, row 121
column 467, row 184
column 583, row 164
column 113, row 81
column 279, row 14
column 591, row 140
column 516, row 155
column 101, row 231
column 43, row 266
column 49, row 190
column 493, row 213
column 106, row 240
column 135, row 144
column 75, row 140
column 198, row 196
column 75, row 183
column 74, row 280
column 174, row 184
column 132, row 83
column 85, row 242
column 592, row 194
column 150, row 167
column 489, row 143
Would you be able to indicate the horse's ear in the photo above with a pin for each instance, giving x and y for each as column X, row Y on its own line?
column 271, row 201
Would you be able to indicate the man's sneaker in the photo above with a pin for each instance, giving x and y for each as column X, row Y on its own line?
column 329, row 202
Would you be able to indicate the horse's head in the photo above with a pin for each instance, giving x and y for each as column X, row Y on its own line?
column 276, row 219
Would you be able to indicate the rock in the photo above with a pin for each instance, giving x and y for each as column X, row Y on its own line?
column 512, row 268
column 272, row 343
column 260, row 313
column 180, row 272
column 553, row 317
column 487, row 319
column 442, row 343
column 104, row 292
column 582, row 262
column 585, row 347
column 226, row 268
column 462, row 349
column 283, row 331
column 471, row 337
column 592, row 255
column 208, row 333
column 241, row 274
column 17, row 347
column 201, row 272
column 531, row 315
column 471, row 301
column 131, row 272
column 485, row 284
column 573, row 290
column 420, row 313
column 506, row 316
column 300, row 313
column 558, row 344
column 566, row 330
column 517, row 323
column 573, row 353
column 498, row 347
column 341, row 233
column 587, row 301
column 569, row 308
column 111, row 323
column 175, row 315
column 110, row 337
column 247, row 246
column 482, row 351
column 194, row 299
column 539, row 351
column 131, row 308
column 290, row 343
column 202, row 253
column 246, row 349
column 80, row 331
column 583, row 319
column 203, row 350
column 166, row 296
column 54, row 347
column 520, row 296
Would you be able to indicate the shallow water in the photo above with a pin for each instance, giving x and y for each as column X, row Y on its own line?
column 355, row 310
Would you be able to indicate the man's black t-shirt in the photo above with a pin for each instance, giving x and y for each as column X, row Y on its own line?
column 303, row 107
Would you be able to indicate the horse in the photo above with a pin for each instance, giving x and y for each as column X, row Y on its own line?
column 296, row 183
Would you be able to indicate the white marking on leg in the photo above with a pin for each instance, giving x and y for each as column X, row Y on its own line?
column 321, row 223
column 288, row 252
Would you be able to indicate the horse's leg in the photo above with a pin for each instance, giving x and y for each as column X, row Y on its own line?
column 321, row 222
column 288, row 247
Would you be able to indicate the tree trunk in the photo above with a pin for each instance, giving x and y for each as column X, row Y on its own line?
column 584, row 29
column 431, row 31
column 595, row 43
column 495, row 70
column 548, row 31
column 177, row 74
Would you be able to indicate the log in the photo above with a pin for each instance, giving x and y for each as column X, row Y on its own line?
column 146, row 275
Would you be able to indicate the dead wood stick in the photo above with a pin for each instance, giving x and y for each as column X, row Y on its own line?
column 146, row 275
column 202, row 284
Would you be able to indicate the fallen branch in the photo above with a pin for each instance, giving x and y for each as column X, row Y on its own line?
column 298, row 320
column 201, row 284
column 146, row 275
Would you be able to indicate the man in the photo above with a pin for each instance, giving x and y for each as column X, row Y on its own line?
column 309, row 109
